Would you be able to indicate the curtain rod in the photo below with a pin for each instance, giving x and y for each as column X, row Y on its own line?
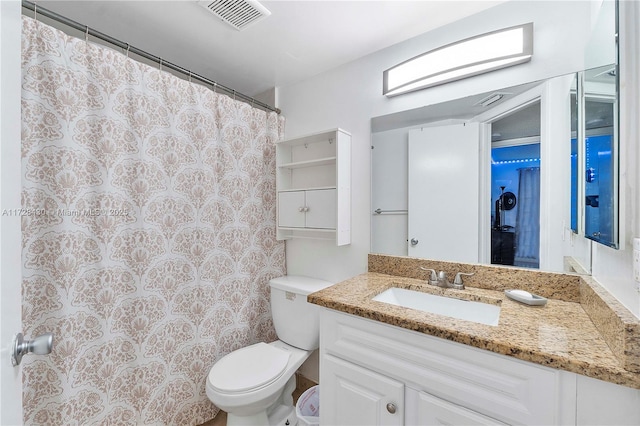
column 38, row 10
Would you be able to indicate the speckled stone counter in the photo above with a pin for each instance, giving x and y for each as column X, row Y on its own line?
column 560, row 335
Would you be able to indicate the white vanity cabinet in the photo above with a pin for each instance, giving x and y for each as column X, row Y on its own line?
column 313, row 185
column 360, row 396
column 373, row 373
column 435, row 411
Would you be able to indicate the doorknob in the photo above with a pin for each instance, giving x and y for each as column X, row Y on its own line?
column 414, row 242
column 41, row 345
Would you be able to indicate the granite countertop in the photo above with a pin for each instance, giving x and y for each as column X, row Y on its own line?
column 559, row 335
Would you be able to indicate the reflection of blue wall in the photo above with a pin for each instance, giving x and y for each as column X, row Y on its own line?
column 574, row 185
column 598, row 186
column 505, row 162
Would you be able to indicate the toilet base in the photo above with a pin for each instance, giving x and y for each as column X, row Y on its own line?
column 271, row 405
column 281, row 415
column 256, row 419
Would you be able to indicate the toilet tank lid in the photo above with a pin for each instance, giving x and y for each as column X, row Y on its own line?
column 299, row 284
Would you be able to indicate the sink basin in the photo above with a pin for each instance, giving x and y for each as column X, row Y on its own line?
column 483, row 313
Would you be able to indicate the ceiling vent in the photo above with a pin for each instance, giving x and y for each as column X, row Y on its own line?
column 238, row 13
column 491, row 99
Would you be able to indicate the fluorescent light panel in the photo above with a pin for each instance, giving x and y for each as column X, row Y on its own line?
column 473, row 56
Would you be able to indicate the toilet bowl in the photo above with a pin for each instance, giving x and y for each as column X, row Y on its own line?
column 247, row 382
column 254, row 384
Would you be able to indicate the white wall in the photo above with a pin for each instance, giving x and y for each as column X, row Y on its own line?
column 614, row 268
column 389, row 191
column 349, row 96
column 10, row 280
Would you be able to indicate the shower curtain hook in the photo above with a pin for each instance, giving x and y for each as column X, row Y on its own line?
column 234, row 95
column 160, row 64
column 215, row 86
column 189, row 76
column 128, row 47
column 35, row 11
column 86, row 35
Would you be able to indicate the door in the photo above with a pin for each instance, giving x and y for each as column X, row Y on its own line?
column 307, row 209
column 443, row 189
column 436, row 411
column 321, row 209
column 352, row 395
column 10, row 245
column 291, row 209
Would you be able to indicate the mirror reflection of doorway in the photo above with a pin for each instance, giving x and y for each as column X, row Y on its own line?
column 515, row 200
column 515, row 189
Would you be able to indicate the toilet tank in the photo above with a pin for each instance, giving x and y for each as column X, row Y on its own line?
column 297, row 322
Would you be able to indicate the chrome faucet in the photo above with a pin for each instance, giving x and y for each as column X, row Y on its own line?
column 433, row 277
column 457, row 281
column 440, row 279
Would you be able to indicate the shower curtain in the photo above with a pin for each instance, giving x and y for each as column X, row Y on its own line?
column 528, row 218
column 148, row 234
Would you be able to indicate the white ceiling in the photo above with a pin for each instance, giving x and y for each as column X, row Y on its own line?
column 299, row 40
column 461, row 109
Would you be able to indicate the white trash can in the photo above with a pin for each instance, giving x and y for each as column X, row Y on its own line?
column 308, row 407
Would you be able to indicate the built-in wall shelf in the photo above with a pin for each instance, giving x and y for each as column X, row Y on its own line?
column 282, row 228
column 309, row 163
column 313, row 184
column 308, row 188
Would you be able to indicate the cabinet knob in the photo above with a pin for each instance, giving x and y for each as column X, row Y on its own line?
column 301, row 209
column 391, row 408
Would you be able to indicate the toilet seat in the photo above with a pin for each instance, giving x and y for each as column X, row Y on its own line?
column 249, row 368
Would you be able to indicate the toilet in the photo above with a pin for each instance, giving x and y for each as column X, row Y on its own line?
column 254, row 384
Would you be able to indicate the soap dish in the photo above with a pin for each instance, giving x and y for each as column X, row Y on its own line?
column 526, row 297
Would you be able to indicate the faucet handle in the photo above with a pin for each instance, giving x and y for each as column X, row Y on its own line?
column 458, row 279
column 434, row 276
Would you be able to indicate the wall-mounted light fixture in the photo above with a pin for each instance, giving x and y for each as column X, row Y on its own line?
column 462, row 59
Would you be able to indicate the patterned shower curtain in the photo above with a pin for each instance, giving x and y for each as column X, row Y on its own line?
column 148, row 234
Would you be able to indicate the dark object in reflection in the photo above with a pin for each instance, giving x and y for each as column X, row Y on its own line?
column 503, row 247
column 592, row 200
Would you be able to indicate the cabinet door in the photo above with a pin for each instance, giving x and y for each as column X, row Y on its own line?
column 321, row 209
column 352, row 395
column 436, row 411
column 290, row 214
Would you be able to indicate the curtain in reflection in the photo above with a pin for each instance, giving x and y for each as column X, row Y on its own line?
column 528, row 218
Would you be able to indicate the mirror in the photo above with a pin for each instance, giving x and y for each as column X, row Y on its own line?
column 599, row 98
column 432, row 166
column 469, row 208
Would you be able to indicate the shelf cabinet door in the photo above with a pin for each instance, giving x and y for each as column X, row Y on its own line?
column 290, row 214
column 352, row 395
column 321, row 209
column 315, row 209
